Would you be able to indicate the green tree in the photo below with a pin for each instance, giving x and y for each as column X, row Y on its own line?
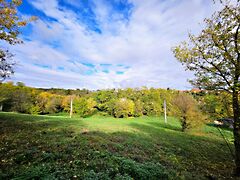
column 104, row 100
column 16, row 98
column 21, row 100
column 217, row 105
column 6, row 91
column 83, row 106
column 10, row 24
column 214, row 56
column 123, row 108
column 138, row 108
column 152, row 104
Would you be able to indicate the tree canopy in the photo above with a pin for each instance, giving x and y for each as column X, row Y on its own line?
column 214, row 57
column 10, row 24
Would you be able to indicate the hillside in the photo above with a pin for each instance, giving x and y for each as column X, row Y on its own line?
column 56, row 147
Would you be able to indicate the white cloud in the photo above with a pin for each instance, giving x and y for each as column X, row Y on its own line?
column 143, row 42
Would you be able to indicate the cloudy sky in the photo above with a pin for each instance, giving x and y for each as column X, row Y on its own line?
column 99, row 44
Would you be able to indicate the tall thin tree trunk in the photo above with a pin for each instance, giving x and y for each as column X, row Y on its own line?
column 236, row 131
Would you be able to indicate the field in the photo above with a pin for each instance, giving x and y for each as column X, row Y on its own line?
column 56, row 147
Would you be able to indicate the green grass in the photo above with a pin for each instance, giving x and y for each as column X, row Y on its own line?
column 56, row 147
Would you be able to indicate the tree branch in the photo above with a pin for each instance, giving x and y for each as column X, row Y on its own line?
column 215, row 66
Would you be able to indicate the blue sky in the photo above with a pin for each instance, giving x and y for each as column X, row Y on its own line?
column 99, row 44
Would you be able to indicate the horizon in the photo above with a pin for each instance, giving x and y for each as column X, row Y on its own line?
column 106, row 44
column 107, row 89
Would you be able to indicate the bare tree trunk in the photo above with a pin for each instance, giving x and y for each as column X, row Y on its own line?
column 236, row 131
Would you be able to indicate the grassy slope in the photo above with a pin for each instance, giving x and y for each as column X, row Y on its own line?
column 104, row 147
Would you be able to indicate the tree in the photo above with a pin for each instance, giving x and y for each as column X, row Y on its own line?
column 10, row 24
column 6, row 91
column 123, row 108
column 66, row 103
column 21, row 98
column 152, row 104
column 84, row 107
column 6, row 64
column 214, row 56
column 217, row 105
column 138, row 108
column 186, row 109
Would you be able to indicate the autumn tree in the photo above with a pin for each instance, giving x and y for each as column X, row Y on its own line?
column 187, row 111
column 214, row 57
column 10, row 24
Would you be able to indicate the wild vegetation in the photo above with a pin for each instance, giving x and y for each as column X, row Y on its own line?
column 115, row 102
column 57, row 147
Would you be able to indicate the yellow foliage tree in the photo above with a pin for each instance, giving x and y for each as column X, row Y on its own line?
column 187, row 111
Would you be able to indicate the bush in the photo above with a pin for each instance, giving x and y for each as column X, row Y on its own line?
column 123, row 108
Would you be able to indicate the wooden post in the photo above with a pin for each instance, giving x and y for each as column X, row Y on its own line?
column 165, row 111
column 71, row 107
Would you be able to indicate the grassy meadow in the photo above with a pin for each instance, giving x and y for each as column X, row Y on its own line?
column 57, row 147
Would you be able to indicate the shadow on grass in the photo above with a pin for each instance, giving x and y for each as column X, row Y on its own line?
column 165, row 126
column 187, row 145
column 12, row 123
column 36, row 146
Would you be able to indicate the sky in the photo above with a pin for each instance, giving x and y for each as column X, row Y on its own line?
column 101, row 44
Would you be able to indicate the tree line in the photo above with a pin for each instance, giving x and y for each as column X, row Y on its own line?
column 119, row 103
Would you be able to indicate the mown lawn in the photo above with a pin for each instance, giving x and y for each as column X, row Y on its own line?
column 56, row 147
